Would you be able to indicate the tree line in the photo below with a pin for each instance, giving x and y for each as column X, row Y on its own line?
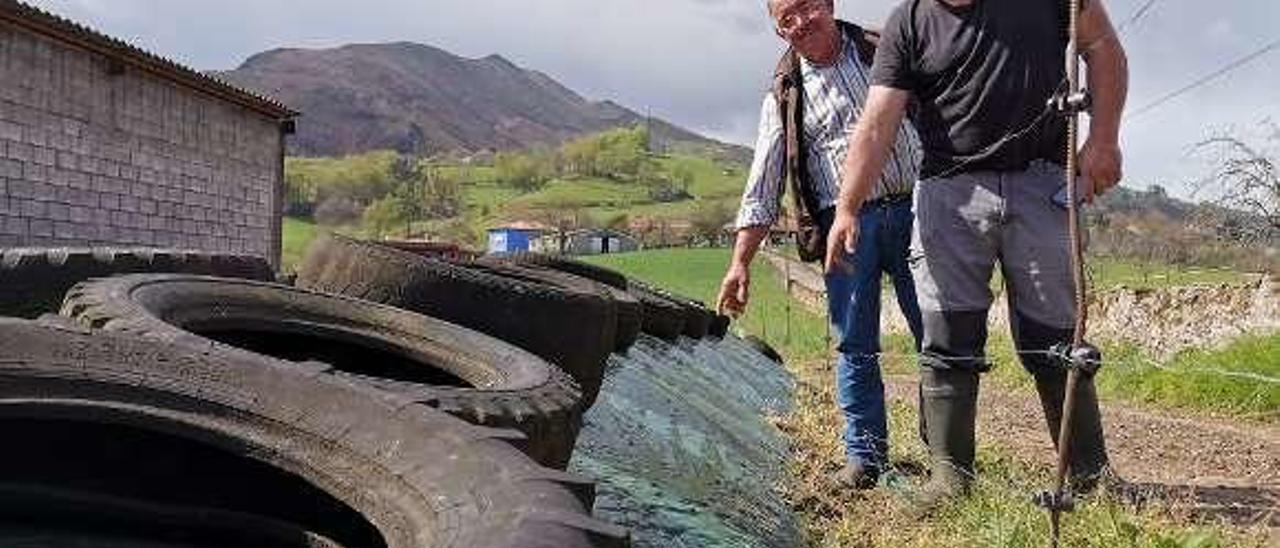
column 385, row 191
column 620, row 155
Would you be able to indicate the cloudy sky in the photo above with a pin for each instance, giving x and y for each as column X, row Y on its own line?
column 705, row 64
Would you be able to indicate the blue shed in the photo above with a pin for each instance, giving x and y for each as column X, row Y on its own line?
column 513, row 238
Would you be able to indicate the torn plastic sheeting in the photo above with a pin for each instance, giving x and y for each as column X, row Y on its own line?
column 682, row 450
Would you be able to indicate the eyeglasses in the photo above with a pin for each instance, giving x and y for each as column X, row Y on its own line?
column 794, row 17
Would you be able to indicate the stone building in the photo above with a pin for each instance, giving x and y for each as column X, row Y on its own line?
column 102, row 143
column 596, row 241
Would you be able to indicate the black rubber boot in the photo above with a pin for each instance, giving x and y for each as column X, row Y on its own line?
column 1088, row 459
column 948, row 409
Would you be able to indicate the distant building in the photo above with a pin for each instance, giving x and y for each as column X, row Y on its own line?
column 516, row 237
column 102, row 143
column 598, row 241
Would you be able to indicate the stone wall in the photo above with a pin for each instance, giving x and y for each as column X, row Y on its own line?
column 94, row 152
column 1161, row 322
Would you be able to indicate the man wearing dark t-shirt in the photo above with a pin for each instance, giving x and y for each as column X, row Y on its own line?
column 978, row 74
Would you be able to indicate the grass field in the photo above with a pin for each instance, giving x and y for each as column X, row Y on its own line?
column 486, row 203
column 600, row 200
column 603, row 199
column 696, row 273
column 1240, row 380
column 998, row 512
column 1107, row 272
column 297, row 236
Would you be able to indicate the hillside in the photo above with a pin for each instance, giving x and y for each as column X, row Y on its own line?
column 1208, row 217
column 423, row 100
column 1152, row 226
column 713, row 190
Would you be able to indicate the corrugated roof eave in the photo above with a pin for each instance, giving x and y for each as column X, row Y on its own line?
column 37, row 20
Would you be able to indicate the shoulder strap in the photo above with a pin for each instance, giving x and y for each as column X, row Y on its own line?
column 788, row 90
column 864, row 40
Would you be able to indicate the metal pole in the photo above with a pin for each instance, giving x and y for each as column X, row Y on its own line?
column 1073, row 220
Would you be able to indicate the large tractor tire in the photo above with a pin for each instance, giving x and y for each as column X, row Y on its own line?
column 34, row 279
column 698, row 318
column 663, row 317
column 571, row 328
column 434, row 363
column 109, row 431
column 720, row 326
column 578, row 268
column 629, row 311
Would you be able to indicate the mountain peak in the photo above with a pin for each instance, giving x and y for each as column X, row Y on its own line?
column 417, row 98
column 264, row 57
column 497, row 59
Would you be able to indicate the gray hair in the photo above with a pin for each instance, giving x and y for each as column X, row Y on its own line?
column 768, row 5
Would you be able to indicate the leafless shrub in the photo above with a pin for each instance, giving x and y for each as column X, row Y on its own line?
column 1245, row 177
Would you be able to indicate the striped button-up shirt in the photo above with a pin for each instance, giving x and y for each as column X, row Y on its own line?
column 833, row 99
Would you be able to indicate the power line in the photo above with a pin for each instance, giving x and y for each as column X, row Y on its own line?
column 1205, row 79
column 1137, row 14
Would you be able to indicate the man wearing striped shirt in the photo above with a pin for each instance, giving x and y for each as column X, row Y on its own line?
column 835, row 84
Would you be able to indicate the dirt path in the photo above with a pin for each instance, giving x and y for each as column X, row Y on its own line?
column 1213, row 468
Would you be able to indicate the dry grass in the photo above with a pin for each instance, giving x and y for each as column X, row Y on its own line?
column 834, row 516
column 997, row 513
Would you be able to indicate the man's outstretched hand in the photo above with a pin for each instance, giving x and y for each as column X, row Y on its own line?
column 842, row 240
column 734, row 291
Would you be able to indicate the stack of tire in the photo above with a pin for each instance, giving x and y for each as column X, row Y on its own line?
column 570, row 313
column 187, row 399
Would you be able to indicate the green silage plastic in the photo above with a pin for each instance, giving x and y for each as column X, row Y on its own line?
column 682, row 449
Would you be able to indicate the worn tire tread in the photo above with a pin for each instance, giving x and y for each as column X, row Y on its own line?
column 423, row 478
column 35, row 278
column 549, row 414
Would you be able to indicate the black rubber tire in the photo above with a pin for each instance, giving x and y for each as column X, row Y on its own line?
column 630, row 317
column 413, row 477
column 48, row 516
column 764, row 348
column 34, row 279
column 663, row 318
column 697, row 320
column 571, row 329
column 629, row 311
column 578, row 268
column 551, row 278
column 492, row 383
column 719, row 326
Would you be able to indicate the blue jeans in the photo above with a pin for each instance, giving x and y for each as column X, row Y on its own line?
column 853, row 301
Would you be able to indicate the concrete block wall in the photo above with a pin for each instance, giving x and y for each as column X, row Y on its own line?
column 93, row 152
